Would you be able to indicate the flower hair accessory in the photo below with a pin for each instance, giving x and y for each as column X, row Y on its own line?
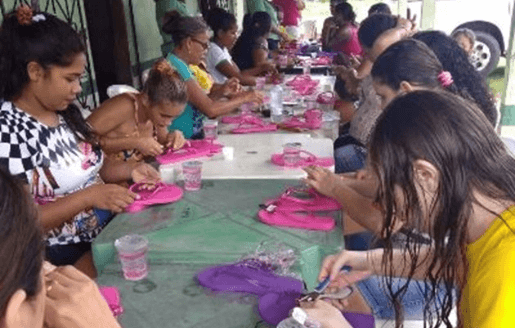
column 24, row 14
column 445, row 79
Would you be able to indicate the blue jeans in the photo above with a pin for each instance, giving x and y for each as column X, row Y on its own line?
column 377, row 296
column 349, row 158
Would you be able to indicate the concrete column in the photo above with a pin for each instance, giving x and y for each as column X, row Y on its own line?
column 402, row 8
column 508, row 97
column 428, row 15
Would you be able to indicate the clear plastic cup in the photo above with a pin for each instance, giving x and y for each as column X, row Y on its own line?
column 210, row 129
column 192, row 172
column 132, row 252
column 283, row 61
column 306, row 68
column 167, row 173
column 260, row 83
column 291, row 154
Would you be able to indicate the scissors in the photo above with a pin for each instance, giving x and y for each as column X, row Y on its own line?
column 318, row 292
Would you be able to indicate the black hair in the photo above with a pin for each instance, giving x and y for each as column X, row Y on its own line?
column 379, row 8
column 47, row 41
column 373, row 26
column 21, row 241
column 182, row 27
column 164, row 83
column 220, row 19
column 454, row 136
column 466, row 78
column 411, row 61
column 256, row 27
column 346, row 11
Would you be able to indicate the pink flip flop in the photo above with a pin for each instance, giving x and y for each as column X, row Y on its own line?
column 161, row 194
column 240, row 119
column 272, row 215
column 278, row 159
column 112, row 297
column 254, row 127
column 312, row 121
column 316, row 201
column 192, row 149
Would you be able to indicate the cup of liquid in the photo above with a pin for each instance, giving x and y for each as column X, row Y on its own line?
column 210, row 129
column 291, row 153
column 192, row 172
column 132, row 253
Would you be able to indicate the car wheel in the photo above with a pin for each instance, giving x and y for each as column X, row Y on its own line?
column 486, row 53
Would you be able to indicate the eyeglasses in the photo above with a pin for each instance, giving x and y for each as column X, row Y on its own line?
column 205, row 46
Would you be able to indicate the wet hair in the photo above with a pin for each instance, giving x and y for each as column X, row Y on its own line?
column 466, row 78
column 466, row 32
column 379, row 8
column 21, row 242
column 219, row 19
column 257, row 26
column 429, row 125
column 182, row 27
column 27, row 37
column 164, row 83
column 372, row 28
column 411, row 61
column 346, row 11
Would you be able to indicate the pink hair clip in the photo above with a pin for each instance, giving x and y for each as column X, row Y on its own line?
column 445, row 79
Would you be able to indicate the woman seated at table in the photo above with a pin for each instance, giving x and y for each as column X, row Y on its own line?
column 47, row 143
column 35, row 294
column 251, row 48
column 136, row 125
column 191, row 37
column 219, row 60
column 442, row 170
column 343, row 37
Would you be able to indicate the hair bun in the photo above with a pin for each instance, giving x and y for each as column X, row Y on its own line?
column 24, row 14
column 164, row 68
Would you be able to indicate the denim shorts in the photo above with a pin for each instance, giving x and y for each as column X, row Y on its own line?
column 349, row 158
column 377, row 296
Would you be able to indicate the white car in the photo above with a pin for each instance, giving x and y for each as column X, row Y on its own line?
column 490, row 20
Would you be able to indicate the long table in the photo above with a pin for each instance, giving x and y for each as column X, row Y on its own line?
column 215, row 225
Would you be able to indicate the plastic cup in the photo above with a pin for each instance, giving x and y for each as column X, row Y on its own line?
column 291, row 154
column 192, row 172
column 132, row 252
column 210, row 129
column 167, row 173
column 306, row 69
column 283, row 60
column 260, row 83
column 228, row 153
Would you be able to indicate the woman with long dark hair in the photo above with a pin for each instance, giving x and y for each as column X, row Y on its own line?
column 251, row 48
column 441, row 170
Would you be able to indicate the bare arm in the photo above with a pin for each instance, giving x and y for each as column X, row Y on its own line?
column 111, row 114
column 259, row 57
column 231, row 70
column 339, row 36
column 301, row 5
column 213, row 108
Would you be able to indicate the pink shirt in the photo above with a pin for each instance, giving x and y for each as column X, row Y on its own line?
column 351, row 46
column 290, row 10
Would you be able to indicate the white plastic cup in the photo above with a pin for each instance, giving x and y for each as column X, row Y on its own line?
column 210, row 129
column 291, row 154
column 132, row 252
column 192, row 172
column 167, row 173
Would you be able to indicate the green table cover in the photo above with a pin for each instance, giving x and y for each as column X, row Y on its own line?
column 215, row 225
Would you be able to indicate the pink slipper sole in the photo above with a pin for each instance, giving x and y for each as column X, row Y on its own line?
column 161, row 194
column 295, row 220
column 316, row 202
column 278, row 159
column 255, row 129
column 193, row 149
column 240, row 119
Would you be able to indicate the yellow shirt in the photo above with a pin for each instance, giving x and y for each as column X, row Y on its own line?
column 203, row 79
column 489, row 296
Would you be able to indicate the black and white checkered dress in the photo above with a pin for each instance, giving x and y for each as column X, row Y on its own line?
column 54, row 163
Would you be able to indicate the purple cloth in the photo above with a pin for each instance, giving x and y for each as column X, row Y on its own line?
column 360, row 320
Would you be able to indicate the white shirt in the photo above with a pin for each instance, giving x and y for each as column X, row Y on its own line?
column 216, row 55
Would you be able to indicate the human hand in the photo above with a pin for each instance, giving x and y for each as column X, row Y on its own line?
column 254, row 97
column 268, row 67
column 231, row 87
column 73, row 300
column 350, row 76
column 110, row 197
column 322, row 180
column 332, row 264
column 323, row 312
column 148, row 146
column 175, row 140
column 145, row 173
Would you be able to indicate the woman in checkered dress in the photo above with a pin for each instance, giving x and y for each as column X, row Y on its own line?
column 45, row 141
